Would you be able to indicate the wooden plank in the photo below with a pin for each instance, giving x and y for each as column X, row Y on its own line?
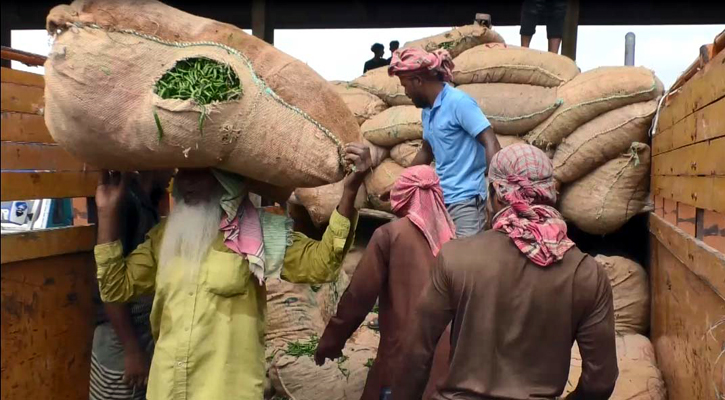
column 706, row 192
column 19, row 127
column 46, row 243
column 47, row 327
column 702, row 125
column 21, row 98
column 22, row 78
column 36, row 156
column 704, row 88
column 24, row 57
column 700, row 159
column 45, row 185
column 686, row 218
column 705, row 262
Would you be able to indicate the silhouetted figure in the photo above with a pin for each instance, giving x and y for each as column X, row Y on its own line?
column 377, row 61
column 531, row 13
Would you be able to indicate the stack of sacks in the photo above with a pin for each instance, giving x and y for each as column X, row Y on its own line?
column 639, row 378
column 295, row 321
column 515, row 87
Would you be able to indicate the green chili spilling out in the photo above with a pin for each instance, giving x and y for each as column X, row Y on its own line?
column 203, row 80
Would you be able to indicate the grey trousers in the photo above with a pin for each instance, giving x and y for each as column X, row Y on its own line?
column 469, row 216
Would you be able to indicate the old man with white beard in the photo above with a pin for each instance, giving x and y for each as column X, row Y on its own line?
column 207, row 264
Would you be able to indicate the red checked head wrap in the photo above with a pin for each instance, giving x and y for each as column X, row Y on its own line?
column 417, row 195
column 522, row 177
column 416, row 61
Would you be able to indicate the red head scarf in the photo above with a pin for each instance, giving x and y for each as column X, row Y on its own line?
column 417, row 194
column 417, row 61
column 522, row 176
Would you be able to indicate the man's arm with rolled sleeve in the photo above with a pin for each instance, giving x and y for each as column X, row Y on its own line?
column 122, row 279
column 475, row 123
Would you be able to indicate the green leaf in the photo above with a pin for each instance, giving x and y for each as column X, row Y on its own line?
column 158, row 125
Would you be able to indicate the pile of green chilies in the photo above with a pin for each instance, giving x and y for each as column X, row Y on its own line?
column 299, row 349
column 201, row 79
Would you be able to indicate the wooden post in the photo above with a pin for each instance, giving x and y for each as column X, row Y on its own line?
column 262, row 26
column 571, row 24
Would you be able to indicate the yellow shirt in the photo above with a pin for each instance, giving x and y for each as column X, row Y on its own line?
column 209, row 329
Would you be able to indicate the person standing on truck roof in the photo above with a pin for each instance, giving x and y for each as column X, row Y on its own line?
column 207, row 264
column 122, row 342
column 396, row 267
column 377, row 61
column 455, row 133
column 518, row 296
column 555, row 13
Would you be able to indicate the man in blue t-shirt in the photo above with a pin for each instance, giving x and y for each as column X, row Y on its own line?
column 455, row 133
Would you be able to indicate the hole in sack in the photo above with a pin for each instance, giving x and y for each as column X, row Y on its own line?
column 203, row 80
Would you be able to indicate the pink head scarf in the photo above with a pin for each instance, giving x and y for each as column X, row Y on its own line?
column 522, row 177
column 417, row 194
column 417, row 61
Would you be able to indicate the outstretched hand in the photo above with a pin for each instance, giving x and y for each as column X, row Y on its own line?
column 358, row 155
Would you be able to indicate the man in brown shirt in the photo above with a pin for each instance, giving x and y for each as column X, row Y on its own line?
column 396, row 266
column 518, row 296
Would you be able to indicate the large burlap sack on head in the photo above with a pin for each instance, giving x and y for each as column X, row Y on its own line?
column 591, row 94
column 511, row 64
column 602, row 139
column 393, row 126
column 287, row 129
column 458, row 40
column 513, row 109
column 378, row 82
column 639, row 378
column 321, row 201
column 363, row 104
column 606, row 198
column 507, row 140
column 380, row 181
column 405, row 152
column 328, row 296
column 630, row 290
column 377, row 153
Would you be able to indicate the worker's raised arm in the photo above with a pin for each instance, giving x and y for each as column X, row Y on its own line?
column 121, row 279
column 431, row 317
column 489, row 141
column 595, row 334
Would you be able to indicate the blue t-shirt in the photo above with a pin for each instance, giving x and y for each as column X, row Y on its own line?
column 451, row 127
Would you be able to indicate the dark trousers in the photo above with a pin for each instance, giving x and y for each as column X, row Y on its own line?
column 552, row 12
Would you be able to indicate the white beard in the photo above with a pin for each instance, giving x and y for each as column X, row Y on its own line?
column 189, row 233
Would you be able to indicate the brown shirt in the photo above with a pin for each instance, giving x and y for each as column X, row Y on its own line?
column 396, row 267
column 514, row 324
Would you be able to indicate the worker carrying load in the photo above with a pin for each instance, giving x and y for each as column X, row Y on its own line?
column 208, row 315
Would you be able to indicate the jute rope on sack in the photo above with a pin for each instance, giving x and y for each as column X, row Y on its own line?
column 514, row 67
column 527, row 116
column 255, row 78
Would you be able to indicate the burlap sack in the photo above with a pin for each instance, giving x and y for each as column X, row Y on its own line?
column 507, row 140
column 363, row 104
column 405, row 152
column 513, row 109
column 458, row 40
column 393, row 126
column 378, row 82
column 603, row 200
column 639, row 378
column 292, row 313
column 377, row 153
column 511, row 64
column 630, row 290
column 601, row 139
column 287, row 129
column 380, row 181
column 321, row 201
column 591, row 94
column 328, row 296
column 353, row 257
